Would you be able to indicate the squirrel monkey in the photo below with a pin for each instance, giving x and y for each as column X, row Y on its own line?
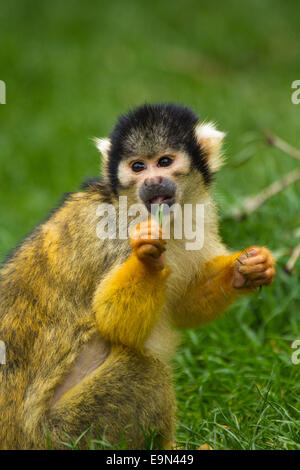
column 90, row 323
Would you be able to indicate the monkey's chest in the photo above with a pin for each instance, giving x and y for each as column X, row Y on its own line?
column 184, row 265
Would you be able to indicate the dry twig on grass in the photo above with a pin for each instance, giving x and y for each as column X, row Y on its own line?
column 250, row 204
column 293, row 259
column 275, row 141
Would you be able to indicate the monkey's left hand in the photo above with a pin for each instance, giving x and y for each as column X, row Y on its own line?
column 147, row 243
column 256, row 267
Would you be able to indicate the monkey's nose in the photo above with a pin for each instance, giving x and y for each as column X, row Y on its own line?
column 155, row 181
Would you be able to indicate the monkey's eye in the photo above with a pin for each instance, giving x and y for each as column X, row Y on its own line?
column 138, row 166
column 165, row 161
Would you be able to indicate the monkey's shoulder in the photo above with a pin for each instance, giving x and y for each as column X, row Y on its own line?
column 97, row 186
column 72, row 206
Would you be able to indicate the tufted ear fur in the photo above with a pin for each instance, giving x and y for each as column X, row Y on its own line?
column 103, row 145
column 211, row 140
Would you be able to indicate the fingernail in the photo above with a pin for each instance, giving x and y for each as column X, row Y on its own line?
column 252, row 252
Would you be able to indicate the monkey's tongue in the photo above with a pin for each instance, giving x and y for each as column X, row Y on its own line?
column 157, row 200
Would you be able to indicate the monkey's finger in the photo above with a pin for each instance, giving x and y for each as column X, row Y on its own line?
column 145, row 232
column 259, row 275
column 268, row 274
column 151, row 234
column 262, row 254
column 151, row 222
column 251, row 260
column 154, row 227
column 146, row 251
column 156, row 232
column 253, row 269
column 264, row 278
column 159, row 244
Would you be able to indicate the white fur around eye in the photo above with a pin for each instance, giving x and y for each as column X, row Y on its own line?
column 182, row 164
column 125, row 174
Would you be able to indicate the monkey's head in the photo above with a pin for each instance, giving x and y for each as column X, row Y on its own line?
column 163, row 153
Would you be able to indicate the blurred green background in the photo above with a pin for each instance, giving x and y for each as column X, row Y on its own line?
column 72, row 67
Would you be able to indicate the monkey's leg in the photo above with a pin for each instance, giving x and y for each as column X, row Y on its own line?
column 123, row 399
column 222, row 280
column 128, row 302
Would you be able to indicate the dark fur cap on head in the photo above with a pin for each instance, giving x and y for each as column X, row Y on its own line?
column 153, row 128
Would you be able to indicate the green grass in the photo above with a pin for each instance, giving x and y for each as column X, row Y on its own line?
column 70, row 68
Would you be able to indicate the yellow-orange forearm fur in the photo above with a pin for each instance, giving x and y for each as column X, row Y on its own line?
column 211, row 293
column 128, row 303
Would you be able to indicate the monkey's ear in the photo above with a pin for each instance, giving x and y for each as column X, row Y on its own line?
column 210, row 140
column 103, row 145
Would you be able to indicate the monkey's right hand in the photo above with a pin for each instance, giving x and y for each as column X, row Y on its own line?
column 147, row 243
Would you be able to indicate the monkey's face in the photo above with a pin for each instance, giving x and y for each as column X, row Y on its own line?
column 161, row 154
column 156, row 178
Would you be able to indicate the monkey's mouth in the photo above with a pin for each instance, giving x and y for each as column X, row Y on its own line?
column 159, row 200
column 155, row 201
column 155, row 191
